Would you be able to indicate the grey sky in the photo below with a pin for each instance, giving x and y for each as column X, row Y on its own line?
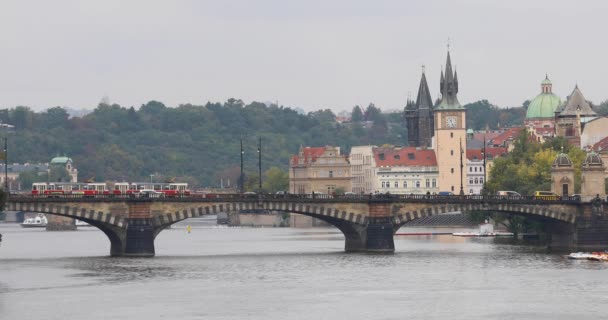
column 310, row 53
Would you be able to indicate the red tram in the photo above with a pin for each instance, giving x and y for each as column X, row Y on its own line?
column 103, row 188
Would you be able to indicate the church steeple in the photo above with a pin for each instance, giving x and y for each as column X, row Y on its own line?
column 449, row 87
column 423, row 100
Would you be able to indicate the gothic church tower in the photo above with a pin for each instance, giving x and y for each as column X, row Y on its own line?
column 419, row 117
column 450, row 134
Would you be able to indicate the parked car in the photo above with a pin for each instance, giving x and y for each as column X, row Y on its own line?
column 445, row 193
column 509, row 194
column 546, row 195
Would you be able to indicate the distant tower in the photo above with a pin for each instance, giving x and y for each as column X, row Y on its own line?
column 562, row 175
column 419, row 117
column 593, row 181
column 450, row 132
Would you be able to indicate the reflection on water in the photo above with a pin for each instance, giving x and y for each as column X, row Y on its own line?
column 236, row 273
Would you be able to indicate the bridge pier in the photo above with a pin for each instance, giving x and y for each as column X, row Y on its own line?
column 376, row 236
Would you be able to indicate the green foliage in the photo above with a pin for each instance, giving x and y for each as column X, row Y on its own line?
column 194, row 143
column 275, row 180
column 357, row 114
column 602, row 108
column 58, row 173
column 339, row 191
column 482, row 114
column 26, row 179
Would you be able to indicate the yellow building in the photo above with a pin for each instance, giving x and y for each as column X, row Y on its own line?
column 319, row 170
column 450, row 134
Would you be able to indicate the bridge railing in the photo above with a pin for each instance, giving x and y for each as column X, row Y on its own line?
column 378, row 197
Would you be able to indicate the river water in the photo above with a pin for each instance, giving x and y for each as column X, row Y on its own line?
column 282, row 273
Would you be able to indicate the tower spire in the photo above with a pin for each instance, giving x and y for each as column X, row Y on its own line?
column 449, row 87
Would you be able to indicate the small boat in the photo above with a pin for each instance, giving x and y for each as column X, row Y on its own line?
column 80, row 223
column 580, row 255
column 486, row 229
column 598, row 256
column 38, row 222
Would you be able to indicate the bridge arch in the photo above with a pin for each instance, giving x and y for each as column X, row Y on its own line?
column 349, row 223
column 546, row 212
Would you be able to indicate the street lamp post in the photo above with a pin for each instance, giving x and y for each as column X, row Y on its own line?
column 483, row 154
column 151, row 178
column 260, row 164
column 242, row 179
column 461, row 167
column 6, row 165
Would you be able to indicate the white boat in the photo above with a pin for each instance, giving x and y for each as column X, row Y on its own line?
column 486, row 229
column 38, row 222
column 580, row 255
column 80, row 223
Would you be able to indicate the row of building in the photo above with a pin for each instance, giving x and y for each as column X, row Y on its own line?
column 442, row 155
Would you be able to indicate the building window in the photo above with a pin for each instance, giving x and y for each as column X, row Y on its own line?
column 451, row 134
column 428, row 183
column 476, row 181
column 451, row 152
column 396, row 184
column 470, row 169
column 452, row 170
column 481, row 180
column 434, row 183
column 452, row 189
column 405, row 184
column 331, row 174
column 471, row 181
column 417, row 184
column 475, row 169
column 383, row 184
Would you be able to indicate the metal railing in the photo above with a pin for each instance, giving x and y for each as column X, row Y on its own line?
column 314, row 197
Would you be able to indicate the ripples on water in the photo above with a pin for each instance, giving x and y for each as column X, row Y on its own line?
column 233, row 273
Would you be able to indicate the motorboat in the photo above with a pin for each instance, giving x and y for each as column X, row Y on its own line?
column 598, row 256
column 486, row 229
column 80, row 223
column 39, row 221
column 580, row 255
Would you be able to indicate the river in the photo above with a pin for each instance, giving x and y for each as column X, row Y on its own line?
column 283, row 273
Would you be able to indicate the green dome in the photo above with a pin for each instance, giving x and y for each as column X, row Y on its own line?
column 60, row 160
column 543, row 106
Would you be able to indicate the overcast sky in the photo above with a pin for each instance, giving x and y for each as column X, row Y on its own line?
column 310, row 53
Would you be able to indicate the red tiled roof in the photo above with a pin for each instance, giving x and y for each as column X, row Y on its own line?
column 601, row 145
column 475, row 154
column 409, row 156
column 509, row 134
column 309, row 154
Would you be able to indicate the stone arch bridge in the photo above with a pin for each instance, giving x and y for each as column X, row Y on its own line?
column 367, row 222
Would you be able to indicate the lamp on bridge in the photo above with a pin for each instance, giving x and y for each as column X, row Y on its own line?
column 151, row 178
column 242, row 178
column 260, row 165
column 483, row 155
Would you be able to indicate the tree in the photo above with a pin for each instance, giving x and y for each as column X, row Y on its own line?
column 372, row 113
column 602, row 108
column 357, row 114
column 58, row 173
column 27, row 178
column 275, row 180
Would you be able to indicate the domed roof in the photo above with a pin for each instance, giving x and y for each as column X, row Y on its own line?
column 60, row 160
column 562, row 160
column 470, row 131
column 543, row 106
column 593, row 159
